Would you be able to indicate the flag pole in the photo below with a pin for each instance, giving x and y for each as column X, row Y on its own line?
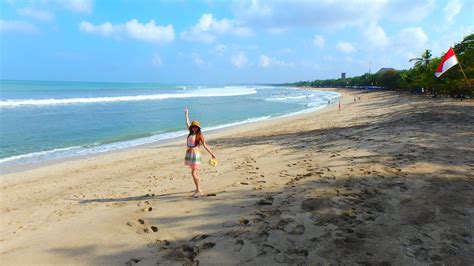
column 467, row 81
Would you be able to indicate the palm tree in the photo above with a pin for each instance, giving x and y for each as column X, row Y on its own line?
column 423, row 61
column 423, row 76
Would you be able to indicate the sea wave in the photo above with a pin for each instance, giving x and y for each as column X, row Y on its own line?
column 40, row 154
column 290, row 98
column 318, row 102
column 309, row 99
column 190, row 94
column 74, row 151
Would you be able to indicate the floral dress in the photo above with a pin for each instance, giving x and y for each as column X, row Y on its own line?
column 193, row 155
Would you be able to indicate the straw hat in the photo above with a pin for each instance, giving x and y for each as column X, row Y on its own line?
column 195, row 124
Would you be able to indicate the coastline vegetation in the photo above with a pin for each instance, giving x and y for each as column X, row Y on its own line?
column 418, row 79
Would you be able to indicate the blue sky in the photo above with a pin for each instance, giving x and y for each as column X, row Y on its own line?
column 221, row 41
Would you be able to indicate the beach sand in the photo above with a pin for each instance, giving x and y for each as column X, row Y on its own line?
column 386, row 180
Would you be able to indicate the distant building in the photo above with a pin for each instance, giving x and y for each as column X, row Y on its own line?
column 343, row 75
column 383, row 70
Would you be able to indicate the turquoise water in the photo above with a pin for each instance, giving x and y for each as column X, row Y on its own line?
column 50, row 120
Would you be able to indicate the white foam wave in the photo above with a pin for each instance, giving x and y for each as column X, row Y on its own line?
column 180, row 95
column 40, row 154
column 290, row 98
column 250, row 120
column 75, row 151
column 310, row 100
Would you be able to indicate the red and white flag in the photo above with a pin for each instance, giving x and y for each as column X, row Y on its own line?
column 449, row 60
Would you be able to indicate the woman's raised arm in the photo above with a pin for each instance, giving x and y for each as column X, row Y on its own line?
column 186, row 114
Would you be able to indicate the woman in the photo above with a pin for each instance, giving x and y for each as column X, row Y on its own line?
column 193, row 155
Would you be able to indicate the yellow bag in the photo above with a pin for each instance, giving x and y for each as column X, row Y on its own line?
column 213, row 162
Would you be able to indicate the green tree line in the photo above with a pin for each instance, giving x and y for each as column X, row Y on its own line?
column 421, row 75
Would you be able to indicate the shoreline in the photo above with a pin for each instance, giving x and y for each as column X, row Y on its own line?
column 20, row 167
column 386, row 180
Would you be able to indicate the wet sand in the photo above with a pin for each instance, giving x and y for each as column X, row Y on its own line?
column 386, row 180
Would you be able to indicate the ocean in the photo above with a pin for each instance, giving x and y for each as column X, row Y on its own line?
column 48, row 120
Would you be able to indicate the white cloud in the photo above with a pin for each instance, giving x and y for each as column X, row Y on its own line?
column 239, row 60
column 345, row 47
column 17, row 26
column 149, row 32
column 78, row 6
column 376, row 37
column 36, row 8
column 254, row 7
column 37, row 14
column 327, row 14
column 157, row 61
column 410, row 43
column 266, row 61
column 451, row 10
column 105, row 29
column 406, row 10
column 449, row 38
column 319, row 41
column 413, row 37
column 208, row 27
column 300, row 13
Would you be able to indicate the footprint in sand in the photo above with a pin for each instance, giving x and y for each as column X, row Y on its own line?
column 244, row 222
column 295, row 230
column 140, row 226
column 199, row 237
column 184, row 253
column 266, row 201
column 207, row 245
column 269, row 249
column 293, row 256
column 313, row 204
column 148, row 209
column 130, row 262
column 238, row 244
column 143, row 203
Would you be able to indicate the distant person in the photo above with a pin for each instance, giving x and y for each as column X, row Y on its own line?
column 193, row 154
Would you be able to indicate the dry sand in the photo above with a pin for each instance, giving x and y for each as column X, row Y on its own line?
column 386, row 180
